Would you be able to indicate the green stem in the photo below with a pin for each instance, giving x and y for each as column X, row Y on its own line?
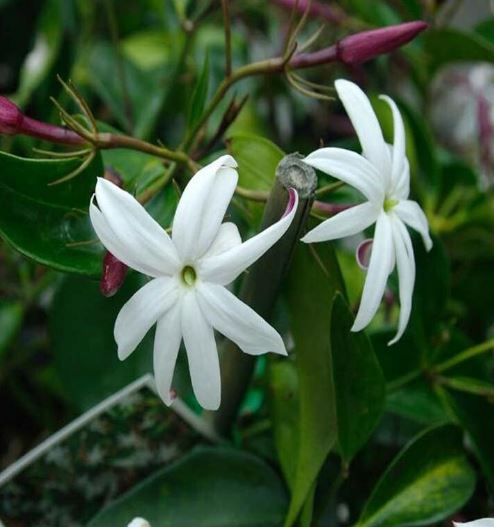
column 157, row 185
column 225, row 4
column 402, row 381
column 253, row 195
column 465, row 355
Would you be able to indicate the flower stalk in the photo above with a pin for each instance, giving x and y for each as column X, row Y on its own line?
column 261, row 286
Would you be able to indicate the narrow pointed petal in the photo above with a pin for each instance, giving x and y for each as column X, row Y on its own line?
column 346, row 223
column 238, row 322
column 351, row 168
column 398, row 151
column 377, row 275
column 227, row 238
column 143, row 309
column 225, row 267
column 412, row 214
column 405, row 263
column 166, row 345
column 483, row 522
column 115, row 246
column 364, row 120
column 144, row 239
column 202, row 354
column 202, row 207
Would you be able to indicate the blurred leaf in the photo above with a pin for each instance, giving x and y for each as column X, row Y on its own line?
column 199, row 95
column 148, row 49
column 210, row 487
column 476, row 415
column 50, row 223
column 470, row 385
column 11, row 314
column 447, row 45
column 358, row 382
column 429, row 480
column 85, row 353
column 312, row 282
column 41, row 58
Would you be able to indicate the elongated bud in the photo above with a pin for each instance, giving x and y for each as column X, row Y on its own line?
column 366, row 45
column 13, row 122
column 114, row 271
column 10, row 117
column 360, row 47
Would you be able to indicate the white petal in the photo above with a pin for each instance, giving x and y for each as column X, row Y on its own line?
column 483, row 522
column 228, row 237
column 364, row 120
column 202, row 354
column 202, row 207
column 345, row 223
column 398, row 151
column 400, row 189
column 238, row 322
column 351, row 168
column 144, row 240
column 225, row 267
column 143, row 309
column 411, row 213
column 377, row 275
column 405, row 263
column 166, row 345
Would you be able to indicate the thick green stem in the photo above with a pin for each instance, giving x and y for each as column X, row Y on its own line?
column 262, row 284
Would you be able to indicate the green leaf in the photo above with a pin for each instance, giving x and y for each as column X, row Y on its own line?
column 199, row 95
column 476, row 416
column 11, row 314
column 207, row 488
column 359, row 383
column 447, row 45
column 85, row 353
column 50, row 223
column 428, row 481
column 313, row 280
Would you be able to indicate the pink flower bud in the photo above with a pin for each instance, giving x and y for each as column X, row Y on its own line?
column 366, row 45
column 113, row 276
column 10, row 117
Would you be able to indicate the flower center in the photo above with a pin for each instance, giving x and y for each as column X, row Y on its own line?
column 189, row 275
column 389, row 204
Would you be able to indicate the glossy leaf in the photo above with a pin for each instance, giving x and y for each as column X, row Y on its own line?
column 50, row 223
column 428, row 481
column 207, row 488
column 476, row 416
column 359, row 383
column 313, row 280
column 85, row 353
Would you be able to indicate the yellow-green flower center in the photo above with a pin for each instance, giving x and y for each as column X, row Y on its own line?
column 389, row 204
column 189, row 275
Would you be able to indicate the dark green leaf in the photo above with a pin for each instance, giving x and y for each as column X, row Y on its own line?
column 50, row 223
column 429, row 480
column 199, row 95
column 10, row 321
column 476, row 415
column 358, row 382
column 81, row 326
column 313, row 280
column 208, row 488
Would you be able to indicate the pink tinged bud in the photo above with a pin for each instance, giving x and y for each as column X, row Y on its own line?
column 113, row 276
column 10, row 117
column 112, row 175
column 366, row 45
column 363, row 253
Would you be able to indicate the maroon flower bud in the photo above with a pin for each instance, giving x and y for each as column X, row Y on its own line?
column 366, row 45
column 112, row 175
column 10, row 117
column 358, row 48
column 13, row 121
column 113, row 276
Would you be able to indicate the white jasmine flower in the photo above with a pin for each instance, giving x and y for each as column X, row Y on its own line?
column 483, row 522
column 186, row 296
column 382, row 175
column 139, row 522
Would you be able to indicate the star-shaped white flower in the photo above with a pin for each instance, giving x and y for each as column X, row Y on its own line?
column 483, row 522
column 186, row 296
column 382, row 175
